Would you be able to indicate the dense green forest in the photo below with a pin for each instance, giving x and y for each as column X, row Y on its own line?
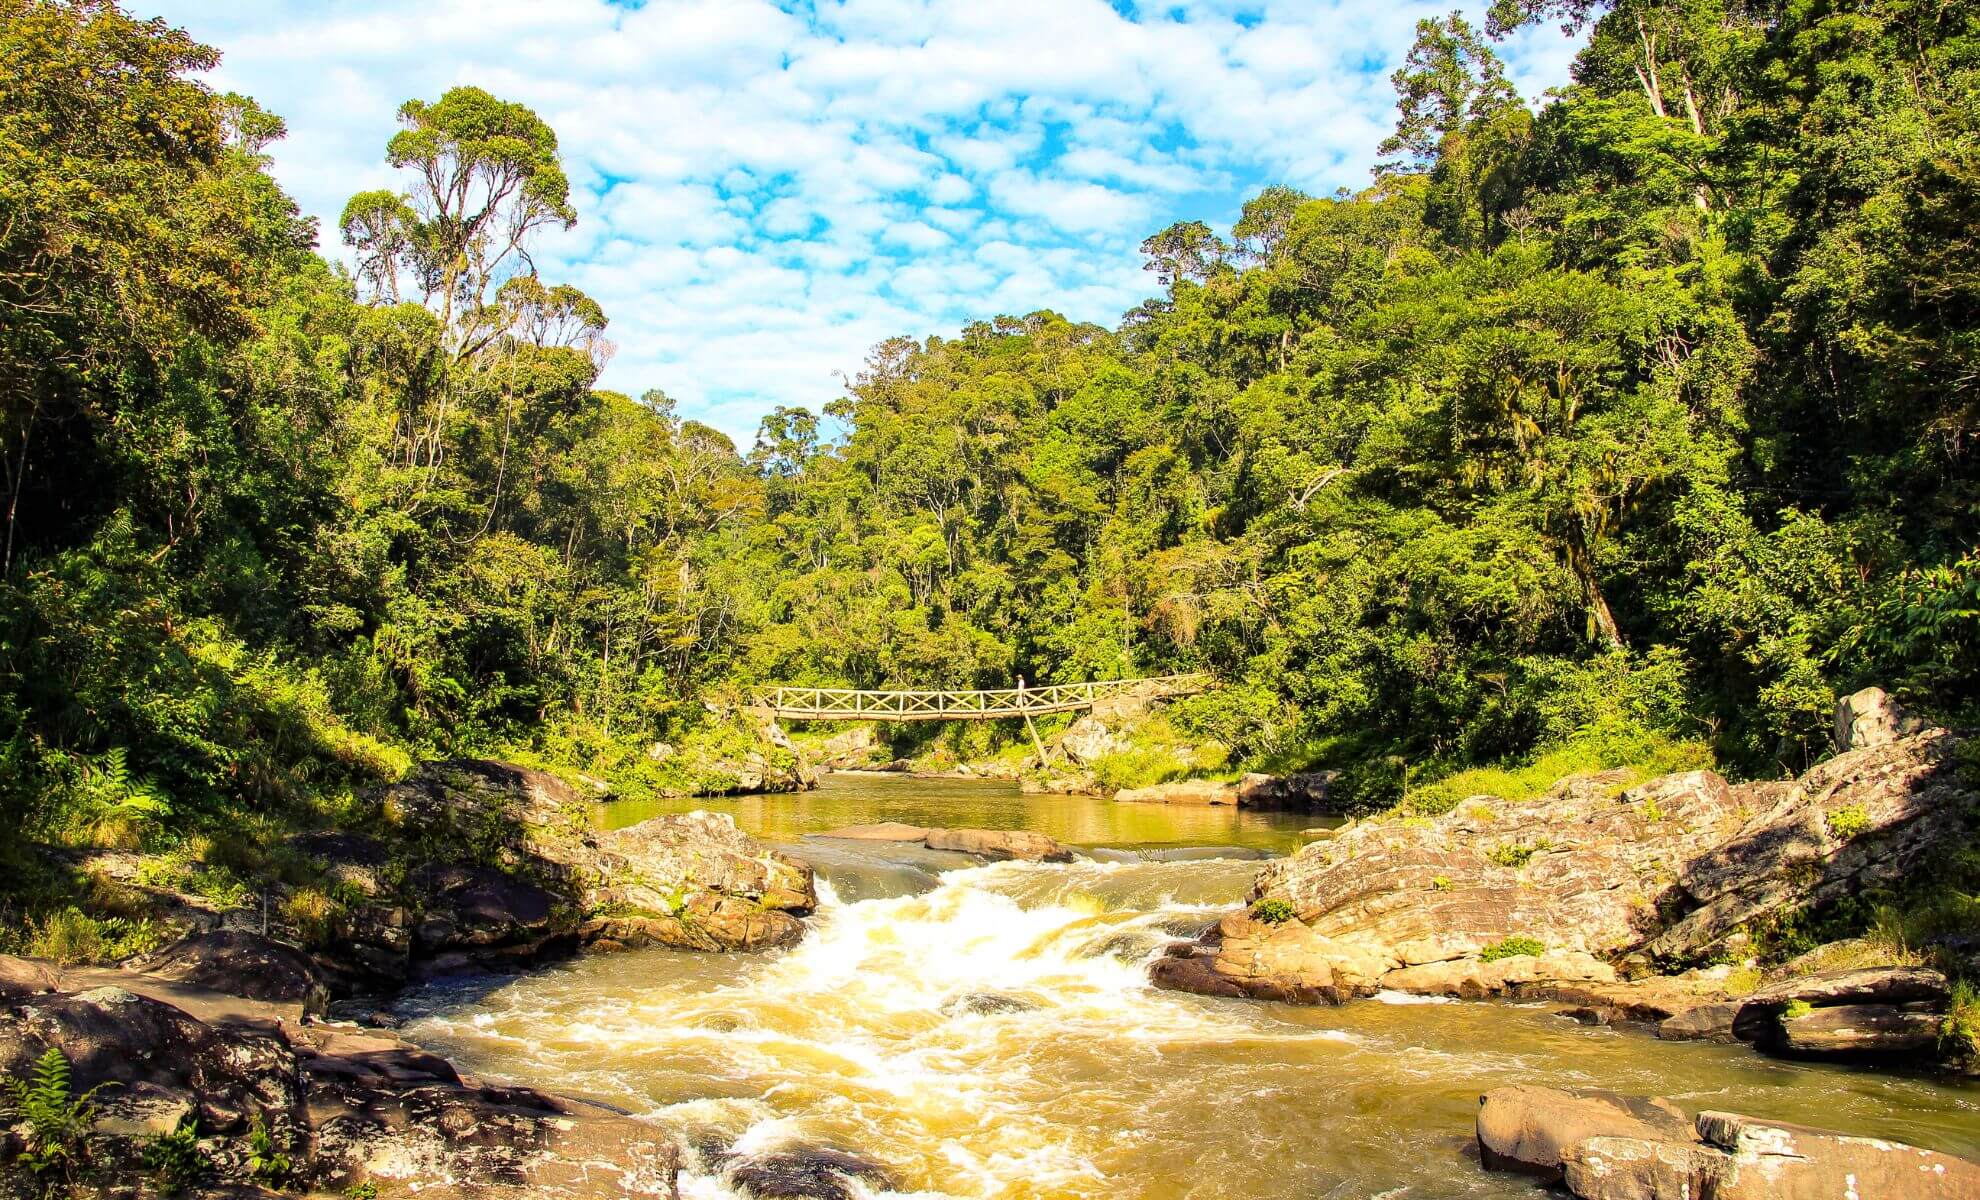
column 1645, row 415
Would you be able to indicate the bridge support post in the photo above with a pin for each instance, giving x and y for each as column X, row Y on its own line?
column 1024, row 706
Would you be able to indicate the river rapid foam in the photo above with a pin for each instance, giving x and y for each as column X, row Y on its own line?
column 988, row 1031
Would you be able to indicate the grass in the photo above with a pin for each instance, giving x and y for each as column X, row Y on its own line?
column 72, row 937
column 1641, row 754
column 1517, row 854
column 1516, row 946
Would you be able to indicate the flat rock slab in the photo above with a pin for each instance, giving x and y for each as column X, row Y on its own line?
column 1187, row 791
column 1772, row 1160
column 885, row 831
column 999, row 844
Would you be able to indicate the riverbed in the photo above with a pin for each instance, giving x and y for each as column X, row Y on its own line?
column 988, row 1031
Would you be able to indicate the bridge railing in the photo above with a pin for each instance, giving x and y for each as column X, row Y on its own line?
column 854, row 704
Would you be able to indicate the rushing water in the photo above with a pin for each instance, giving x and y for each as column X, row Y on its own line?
column 987, row 1031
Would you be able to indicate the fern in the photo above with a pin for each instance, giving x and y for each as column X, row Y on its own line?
column 56, row 1122
column 175, row 1158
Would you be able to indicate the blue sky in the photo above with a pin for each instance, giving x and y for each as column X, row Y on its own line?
column 766, row 190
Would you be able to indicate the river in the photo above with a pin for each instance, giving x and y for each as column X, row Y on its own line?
column 987, row 1031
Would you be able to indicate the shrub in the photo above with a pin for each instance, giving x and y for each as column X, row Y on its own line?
column 1959, row 1033
column 1848, row 822
column 317, row 916
column 361, row 1191
column 1273, row 911
column 1516, row 946
column 1641, row 754
column 1796, row 1009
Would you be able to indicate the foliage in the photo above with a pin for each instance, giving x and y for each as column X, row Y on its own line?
column 265, row 1160
column 55, row 1121
column 1847, row 822
column 1273, row 911
column 1516, row 854
column 364, row 1190
column 175, row 1159
column 1516, row 946
column 1620, row 433
column 1796, row 1009
column 73, row 937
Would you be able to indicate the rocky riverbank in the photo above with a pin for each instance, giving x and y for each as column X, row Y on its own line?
column 215, row 1050
column 1596, row 894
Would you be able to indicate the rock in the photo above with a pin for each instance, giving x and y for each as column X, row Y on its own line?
column 984, row 1004
column 806, row 1174
column 1863, row 1031
column 1528, row 1129
column 850, row 749
column 1626, row 1168
column 1703, row 1022
column 154, row 1053
column 244, row 964
column 26, row 977
column 997, row 844
column 1304, row 792
column 1768, row 1160
column 1587, row 1015
column 514, row 872
column 1860, row 985
column 1870, row 718
column 345, row 1107
column 1758, row 1017
column 1185, row 791
column 698, row 882
column 1673, row 869
column 1089, row 739
column 885, row 831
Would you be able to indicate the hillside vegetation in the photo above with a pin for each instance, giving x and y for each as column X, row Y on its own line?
column 1629, row 427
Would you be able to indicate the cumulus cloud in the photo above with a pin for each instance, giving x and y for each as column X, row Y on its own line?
column 764, row 194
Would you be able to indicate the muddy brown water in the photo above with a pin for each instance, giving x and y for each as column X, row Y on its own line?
column 987, row 1031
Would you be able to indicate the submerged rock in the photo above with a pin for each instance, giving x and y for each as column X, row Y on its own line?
column 997, row 844
column 992, row 844
column 804, row 1174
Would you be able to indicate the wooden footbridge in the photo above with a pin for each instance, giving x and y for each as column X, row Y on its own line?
column 851, row 704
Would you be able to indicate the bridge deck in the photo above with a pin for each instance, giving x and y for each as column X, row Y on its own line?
column 851, row 704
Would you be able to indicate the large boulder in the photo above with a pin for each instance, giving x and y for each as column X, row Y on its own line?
column 698, row 882
column 1090, row 739
column 1871, row 718
column 1529, row 1129
column 1562, row 886
column 26, row 977
column 245, row 964
column 507, row 868
column 1773, row 1160
column 1305, row 791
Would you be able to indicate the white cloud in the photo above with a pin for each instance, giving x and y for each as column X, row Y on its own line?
column 764, row 194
